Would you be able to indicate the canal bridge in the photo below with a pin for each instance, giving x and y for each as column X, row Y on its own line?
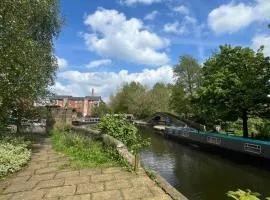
column 162, row 118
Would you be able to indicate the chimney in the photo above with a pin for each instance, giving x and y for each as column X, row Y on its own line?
column 93, row 91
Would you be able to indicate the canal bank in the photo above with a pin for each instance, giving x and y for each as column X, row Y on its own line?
column 201, row 175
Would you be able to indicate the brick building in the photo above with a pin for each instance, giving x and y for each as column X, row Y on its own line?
column 84, row 105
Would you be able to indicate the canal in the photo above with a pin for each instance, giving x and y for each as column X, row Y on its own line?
column 201, row 175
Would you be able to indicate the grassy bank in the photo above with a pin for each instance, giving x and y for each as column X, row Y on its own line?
column 84, row 152
column 14, row 153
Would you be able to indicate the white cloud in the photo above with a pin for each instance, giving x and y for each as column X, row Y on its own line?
column 181, row 9
column 113, row 35
column 174, row 28
column 107, row 83
column 181, row 28
column 61, row 62
column 132, row 2
column 151, row 15
column 230, row 18
column 98, row 63
column 262, row 40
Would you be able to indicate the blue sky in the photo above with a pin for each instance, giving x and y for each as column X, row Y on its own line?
column 105, row 43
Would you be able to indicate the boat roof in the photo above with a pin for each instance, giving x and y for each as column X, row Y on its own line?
column 223, row 136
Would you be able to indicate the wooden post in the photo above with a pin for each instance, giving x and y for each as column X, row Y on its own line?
column 136, row 164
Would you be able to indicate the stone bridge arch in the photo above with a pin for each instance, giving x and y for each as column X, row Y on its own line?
column 162, row 117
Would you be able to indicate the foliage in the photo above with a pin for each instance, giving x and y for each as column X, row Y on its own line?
column 85, row 152
column 158, row 98
column 235, row 84
column 134, row 98
column 14, row 154
column 121, row 129
column 130, row 100
column 102, row 109
column 244, row 195
column 188, row 77
column 263, row 130
column 28, row 65
column 188, row 74
column 179, row 101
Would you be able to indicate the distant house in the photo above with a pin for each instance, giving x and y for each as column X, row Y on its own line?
column 83, row 105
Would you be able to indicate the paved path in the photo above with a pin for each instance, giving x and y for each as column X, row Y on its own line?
column 43, row 178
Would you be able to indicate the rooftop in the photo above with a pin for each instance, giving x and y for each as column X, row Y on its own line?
column 93, row 98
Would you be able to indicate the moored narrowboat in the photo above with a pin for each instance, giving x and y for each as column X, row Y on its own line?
column 242, row 145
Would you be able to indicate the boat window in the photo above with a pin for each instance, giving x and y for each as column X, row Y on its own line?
column 214, row 140
column 253, row 148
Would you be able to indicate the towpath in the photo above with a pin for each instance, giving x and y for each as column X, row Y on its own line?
column 44, row 178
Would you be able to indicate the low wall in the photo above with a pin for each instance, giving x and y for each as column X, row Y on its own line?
column 123, row 151
column 108, row 140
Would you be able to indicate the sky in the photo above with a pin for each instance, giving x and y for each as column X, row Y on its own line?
column 106, row 43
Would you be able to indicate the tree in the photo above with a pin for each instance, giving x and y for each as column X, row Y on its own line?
column 188, row 78
column 236, row 84
column 130, row 99
column 28, row 65
column 179, row 101
column 188, row 74
column 102, row 109
column 136, row 99
column 158, row 98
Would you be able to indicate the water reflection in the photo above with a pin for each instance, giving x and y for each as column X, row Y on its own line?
column 200, row 175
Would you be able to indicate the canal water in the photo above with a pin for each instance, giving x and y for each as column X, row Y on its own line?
column 201, row 175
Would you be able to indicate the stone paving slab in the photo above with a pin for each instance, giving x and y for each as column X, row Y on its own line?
column 44, row 179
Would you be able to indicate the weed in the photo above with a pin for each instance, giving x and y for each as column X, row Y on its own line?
column 84, row 151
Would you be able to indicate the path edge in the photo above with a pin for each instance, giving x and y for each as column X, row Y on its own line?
column 123, row 151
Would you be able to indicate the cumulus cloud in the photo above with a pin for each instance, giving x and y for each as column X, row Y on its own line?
column 61, row 62
column 262, row 40
column 232, row 17
column 107, row 83
column 174, row 27
column 181, row 28
column 132, row 2
column 181, row 9
column 98, row 63
column 151, row 15
column 113, row 35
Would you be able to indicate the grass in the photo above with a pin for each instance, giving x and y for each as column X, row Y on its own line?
column 85, row 152
column 151, row 173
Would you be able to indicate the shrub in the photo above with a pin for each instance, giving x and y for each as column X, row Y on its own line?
column 121, row 129
column 14, row 154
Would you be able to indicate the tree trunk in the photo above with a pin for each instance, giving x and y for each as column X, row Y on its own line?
column 245, row 124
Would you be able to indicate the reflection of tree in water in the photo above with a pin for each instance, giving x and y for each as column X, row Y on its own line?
column 158, row 142
column 198, row 174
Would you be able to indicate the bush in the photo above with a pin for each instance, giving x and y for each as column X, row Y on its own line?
column 14, row 154
column 120, row 128
column 85, row 152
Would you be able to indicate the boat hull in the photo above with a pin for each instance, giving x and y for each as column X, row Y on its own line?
column 237, row 144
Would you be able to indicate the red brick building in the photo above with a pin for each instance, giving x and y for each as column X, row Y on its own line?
column 84, row 105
